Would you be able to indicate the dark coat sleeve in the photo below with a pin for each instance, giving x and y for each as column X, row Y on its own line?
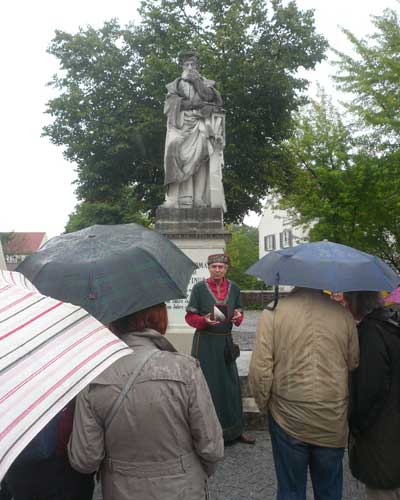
column 370, row 382
column 194, row 305
column 238, row 302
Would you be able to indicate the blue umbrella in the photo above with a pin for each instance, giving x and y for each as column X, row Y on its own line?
column 326, row 266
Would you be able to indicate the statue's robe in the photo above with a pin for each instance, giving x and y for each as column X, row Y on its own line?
column 189, row 132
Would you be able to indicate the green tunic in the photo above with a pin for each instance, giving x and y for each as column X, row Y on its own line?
column 208, row 347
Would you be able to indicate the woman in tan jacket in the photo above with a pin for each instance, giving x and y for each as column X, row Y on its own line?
column 164, row 439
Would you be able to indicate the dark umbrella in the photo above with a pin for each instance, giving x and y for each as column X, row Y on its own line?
column 326, row 266
column 110, row 271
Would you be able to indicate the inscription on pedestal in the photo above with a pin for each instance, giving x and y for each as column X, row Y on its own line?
column 180, row 304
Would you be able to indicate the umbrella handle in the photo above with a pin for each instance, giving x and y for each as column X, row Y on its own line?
column 276, row 294
column 276, row 299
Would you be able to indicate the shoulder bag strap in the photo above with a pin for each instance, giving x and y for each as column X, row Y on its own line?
column 131, row 380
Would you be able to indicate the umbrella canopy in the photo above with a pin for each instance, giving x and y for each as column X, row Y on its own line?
column 326, row 266
column 110, row 271
column 49, row 351
column 394, row 297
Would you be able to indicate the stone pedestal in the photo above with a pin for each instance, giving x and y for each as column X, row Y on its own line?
column 198, row 232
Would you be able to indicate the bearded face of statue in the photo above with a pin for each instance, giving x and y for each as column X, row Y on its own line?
column 190, row 69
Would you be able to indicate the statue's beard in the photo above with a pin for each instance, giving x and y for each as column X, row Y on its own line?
column 193, row 73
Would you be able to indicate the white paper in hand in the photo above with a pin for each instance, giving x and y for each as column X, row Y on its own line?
column 218, row 314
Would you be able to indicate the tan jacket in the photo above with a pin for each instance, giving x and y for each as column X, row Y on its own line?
column 164, row 440
column 299, row 368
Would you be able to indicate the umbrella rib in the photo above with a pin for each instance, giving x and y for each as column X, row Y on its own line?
column 171, row 280
column 22, row 310
column 62, row 397
column 61, row 332
column 50, row 362
column 51, row 390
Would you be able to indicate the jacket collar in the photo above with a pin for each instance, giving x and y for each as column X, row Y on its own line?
column 148, row 338
column 383, row 314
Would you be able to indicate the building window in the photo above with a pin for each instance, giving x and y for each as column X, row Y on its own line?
column 286, row 238
column 11, row 259
column 14, row 259
column 269, row 242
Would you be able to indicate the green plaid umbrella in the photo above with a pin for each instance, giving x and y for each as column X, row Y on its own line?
column 110, row 271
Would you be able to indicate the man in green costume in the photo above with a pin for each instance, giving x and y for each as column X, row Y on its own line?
column 214, row 306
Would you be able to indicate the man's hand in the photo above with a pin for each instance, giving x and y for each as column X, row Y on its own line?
column 210, row 321
column 186, row 105
column 236, row 315
column 191, row 76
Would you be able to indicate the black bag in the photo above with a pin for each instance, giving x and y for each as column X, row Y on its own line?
column 231, row 350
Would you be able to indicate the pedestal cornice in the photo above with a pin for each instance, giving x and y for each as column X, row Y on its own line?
column 191, row 223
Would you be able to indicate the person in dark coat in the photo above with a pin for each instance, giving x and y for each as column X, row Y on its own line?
column 374, row 416
column 4, row 491
column 50, row 478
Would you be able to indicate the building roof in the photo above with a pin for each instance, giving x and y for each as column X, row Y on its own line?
column 2, row 260
column 24, row 243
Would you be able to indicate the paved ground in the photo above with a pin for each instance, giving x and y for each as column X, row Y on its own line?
column 247, row 473
column 245, row 334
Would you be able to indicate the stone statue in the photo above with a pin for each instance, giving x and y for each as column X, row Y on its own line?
column 195, row 140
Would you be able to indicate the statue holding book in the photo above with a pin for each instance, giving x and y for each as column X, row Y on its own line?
column 195, row 140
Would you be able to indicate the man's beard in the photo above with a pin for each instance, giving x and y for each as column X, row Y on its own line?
column 191, row 73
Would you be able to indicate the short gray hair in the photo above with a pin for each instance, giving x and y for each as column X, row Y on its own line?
column 362, row 303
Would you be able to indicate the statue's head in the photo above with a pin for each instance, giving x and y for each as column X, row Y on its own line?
column 188, row 60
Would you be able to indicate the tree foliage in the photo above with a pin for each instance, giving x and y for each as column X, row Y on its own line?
column 6, row 237
column 124, row 210
column 243, row 252
column 372, row 77
column 111, row 88
column 341, row 190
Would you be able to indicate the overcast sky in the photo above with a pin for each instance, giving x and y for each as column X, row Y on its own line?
column 36, row 191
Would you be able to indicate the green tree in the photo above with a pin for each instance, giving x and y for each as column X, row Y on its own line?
column 372, row 78
column 111, row 86
column 6, row 237
column 340, row 190
column 122, row 211
column 243, row 252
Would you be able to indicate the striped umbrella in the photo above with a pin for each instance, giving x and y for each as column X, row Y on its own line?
column 49, row 351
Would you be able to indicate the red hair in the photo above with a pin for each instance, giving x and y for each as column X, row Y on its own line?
column 154, row 317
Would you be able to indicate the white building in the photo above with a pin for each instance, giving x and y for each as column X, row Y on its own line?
column 275, row 231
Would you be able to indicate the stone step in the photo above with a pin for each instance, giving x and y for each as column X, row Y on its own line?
column 243, row 363
column 244, row 386
column 253, row 418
